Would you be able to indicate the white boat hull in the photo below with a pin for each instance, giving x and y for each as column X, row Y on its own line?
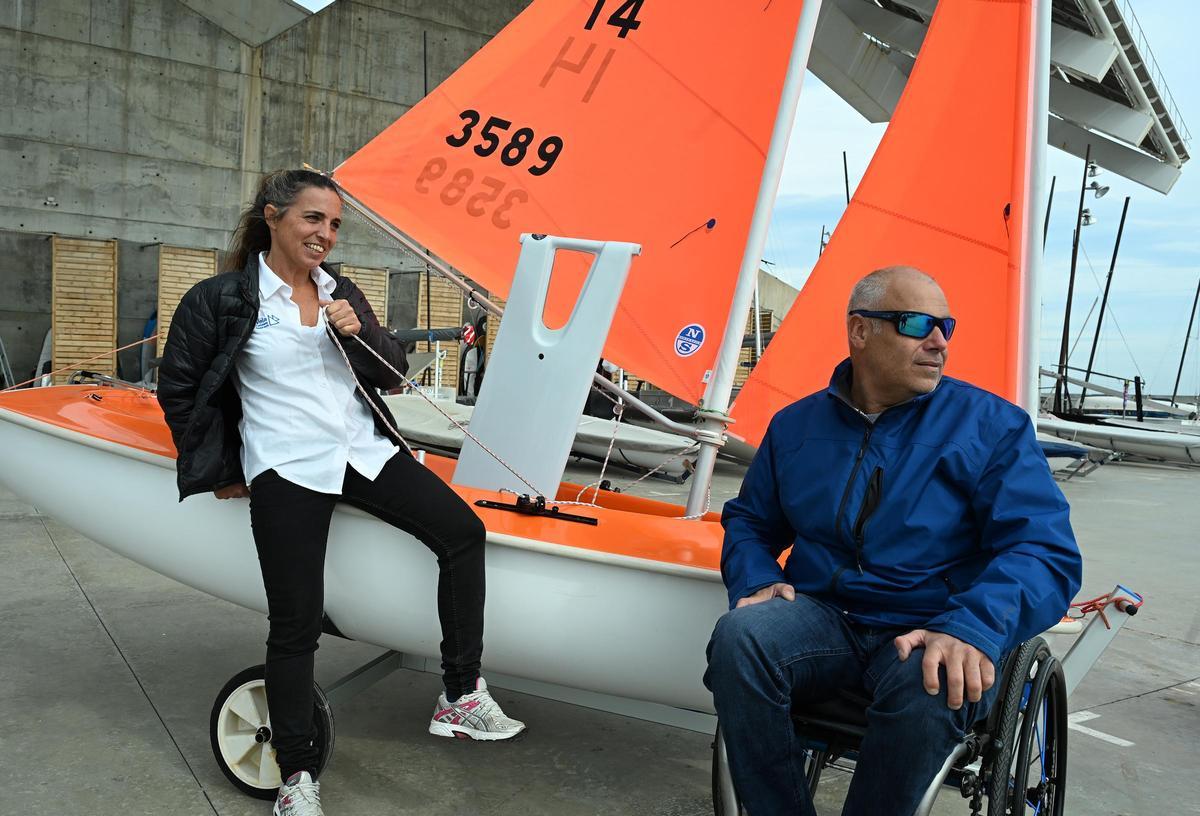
column 599, row 622
column 1179, row 448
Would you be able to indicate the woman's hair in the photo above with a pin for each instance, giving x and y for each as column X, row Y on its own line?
column 280, row 188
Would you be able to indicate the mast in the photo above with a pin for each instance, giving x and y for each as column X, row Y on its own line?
column 1049, row 205
column 846, row 177
column 715, row 403
column 1063, row 353
column 1104, row 301
column 1186, row 336
column 1039, row 127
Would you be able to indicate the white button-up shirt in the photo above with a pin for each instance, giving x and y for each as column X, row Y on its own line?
column 300, row 413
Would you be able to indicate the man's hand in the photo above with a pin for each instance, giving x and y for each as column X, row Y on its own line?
column 965, row 665
column 233, row 491
column 340, row 314
column 785, row 591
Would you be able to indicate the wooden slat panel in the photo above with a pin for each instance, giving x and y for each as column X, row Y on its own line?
column 374, row 284
column 83, row 304
column 179, row 269
column 445, row 311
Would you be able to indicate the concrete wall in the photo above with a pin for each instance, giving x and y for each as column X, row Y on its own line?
column 775, row 295
column 137, row 297
column 25, row 304
column 144, row 121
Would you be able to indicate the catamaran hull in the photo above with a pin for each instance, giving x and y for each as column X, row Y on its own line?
column 1163, row 445
column 619, row 626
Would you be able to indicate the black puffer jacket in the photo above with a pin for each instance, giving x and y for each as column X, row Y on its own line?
column 195, row 388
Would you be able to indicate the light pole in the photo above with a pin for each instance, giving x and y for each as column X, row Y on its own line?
column 1089, row 170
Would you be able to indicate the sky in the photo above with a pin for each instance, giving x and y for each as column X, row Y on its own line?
column 1158, row 266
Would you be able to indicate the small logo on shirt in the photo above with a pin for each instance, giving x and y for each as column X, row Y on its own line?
column 266, row 320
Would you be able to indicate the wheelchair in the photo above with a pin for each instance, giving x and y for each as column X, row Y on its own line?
column 1016, row 757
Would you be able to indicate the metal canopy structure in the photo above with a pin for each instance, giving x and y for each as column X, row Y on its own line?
column 1105, row 89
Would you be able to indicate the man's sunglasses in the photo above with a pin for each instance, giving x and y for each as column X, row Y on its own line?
column 912, row 324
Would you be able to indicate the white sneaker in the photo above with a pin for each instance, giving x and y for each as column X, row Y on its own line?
column 299, row 796
column 473, row 716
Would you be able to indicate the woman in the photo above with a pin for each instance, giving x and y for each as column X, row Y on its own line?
column 261, row 404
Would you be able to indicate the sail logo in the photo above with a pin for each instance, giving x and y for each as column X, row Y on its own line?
column 266, row 320
column 689, row 340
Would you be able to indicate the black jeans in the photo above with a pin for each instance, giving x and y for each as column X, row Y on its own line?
column 291, row 524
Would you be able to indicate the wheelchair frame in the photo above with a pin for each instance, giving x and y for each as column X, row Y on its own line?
column 1026, row 725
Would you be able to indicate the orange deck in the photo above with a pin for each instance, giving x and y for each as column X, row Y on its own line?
column 628, row 525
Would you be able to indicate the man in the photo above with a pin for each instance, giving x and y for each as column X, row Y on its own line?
column 928, row 539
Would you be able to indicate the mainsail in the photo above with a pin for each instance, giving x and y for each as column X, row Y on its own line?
column 605, row 119
column 946, row 192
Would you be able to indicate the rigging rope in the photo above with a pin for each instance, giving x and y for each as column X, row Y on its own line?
column 1112, row 313
column 1097, row 604
column 333, row 336
column 618, row 412
column 337, row 342
column 74, row 366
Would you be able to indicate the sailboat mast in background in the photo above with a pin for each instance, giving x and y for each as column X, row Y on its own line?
column 1186, row 337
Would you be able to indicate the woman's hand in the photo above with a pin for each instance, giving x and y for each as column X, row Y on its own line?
column 340, row 314
column 233, row 491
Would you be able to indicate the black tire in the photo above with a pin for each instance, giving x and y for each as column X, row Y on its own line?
column 1029, row 734
column 239, row 715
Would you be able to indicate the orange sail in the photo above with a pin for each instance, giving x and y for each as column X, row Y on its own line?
column 604, row 119
column 946, row 192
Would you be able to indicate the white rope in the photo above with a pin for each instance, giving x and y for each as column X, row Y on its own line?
column 618, row 412
column 475, row 439
column 425, row 396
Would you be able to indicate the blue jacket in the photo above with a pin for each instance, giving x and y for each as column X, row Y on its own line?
column 941, row 515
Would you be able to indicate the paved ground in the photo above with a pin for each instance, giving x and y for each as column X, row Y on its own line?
column 108, row 673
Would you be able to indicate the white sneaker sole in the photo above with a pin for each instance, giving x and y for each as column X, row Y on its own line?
column 442, row 729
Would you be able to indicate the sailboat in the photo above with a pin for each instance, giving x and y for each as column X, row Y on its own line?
column 610, row 120
column 567, row 122
column 1168, row 432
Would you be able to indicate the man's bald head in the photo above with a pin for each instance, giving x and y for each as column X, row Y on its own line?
column 872, row 291
column 890, row 368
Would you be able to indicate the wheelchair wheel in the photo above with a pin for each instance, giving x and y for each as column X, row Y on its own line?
column 725, row 801
column 1028, row 768
column 725, row 798
column 240, row 732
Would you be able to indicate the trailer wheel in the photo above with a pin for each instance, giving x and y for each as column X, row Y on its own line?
column 240, row 732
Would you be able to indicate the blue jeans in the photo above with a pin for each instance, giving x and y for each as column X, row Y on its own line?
column 761, row 657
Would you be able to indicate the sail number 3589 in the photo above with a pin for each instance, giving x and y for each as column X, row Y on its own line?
column 492, row 199
column 515, row 150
